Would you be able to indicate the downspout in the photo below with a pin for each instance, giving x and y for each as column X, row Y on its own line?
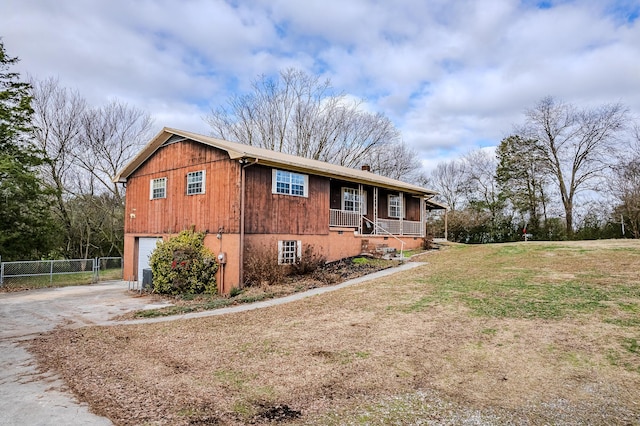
column 242, row 204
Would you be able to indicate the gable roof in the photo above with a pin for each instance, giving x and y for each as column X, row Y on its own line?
column 238, row 151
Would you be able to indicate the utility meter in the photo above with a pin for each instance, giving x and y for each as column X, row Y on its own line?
column 222, row 258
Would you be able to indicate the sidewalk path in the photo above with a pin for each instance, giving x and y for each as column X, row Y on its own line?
column 271, row 302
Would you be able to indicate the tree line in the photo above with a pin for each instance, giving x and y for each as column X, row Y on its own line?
column 58, row 155
column 565, row 172
column 57, row 158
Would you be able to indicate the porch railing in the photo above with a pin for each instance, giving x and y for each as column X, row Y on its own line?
column 389, row 226
column 411, row 227
column 406, row 227
column 347, row 219
column 344, row 219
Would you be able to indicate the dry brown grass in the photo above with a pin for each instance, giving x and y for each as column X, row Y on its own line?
column 537, row 333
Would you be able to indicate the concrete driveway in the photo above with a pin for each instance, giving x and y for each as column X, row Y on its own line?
column 26, row 396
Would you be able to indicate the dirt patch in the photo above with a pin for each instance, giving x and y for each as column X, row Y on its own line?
column 467, row 339
column 277, row 413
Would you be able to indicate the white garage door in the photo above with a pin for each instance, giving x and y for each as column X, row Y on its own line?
column 146, row 246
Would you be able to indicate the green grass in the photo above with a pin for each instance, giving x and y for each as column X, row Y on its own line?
column 518, row 281
column 409, row 253
column 523, row 299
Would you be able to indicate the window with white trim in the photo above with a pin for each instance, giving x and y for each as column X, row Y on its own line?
column 396, row 206
column 351, row 200
column 289, row 252
column 195, row 182
column 290, row 183
column 158, row 188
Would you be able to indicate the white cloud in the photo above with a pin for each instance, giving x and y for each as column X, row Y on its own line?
column 452, row 75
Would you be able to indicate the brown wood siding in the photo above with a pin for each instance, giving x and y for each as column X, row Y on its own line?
column 268, row 213
column 217, row 208
column 413, row 207
column 336, row 194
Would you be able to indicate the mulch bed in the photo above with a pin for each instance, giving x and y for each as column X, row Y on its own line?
column 328, row 274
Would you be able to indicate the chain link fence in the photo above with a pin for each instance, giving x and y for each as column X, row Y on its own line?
column 51, row 273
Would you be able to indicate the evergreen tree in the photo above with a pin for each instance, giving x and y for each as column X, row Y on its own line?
column 522, row 179
column 26, row 227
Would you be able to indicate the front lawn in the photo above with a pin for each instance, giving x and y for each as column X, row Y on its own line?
column 523, row 333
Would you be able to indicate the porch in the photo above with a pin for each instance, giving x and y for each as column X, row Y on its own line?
column 348, row 219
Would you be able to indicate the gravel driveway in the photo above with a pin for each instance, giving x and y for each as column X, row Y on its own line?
column 31, row 398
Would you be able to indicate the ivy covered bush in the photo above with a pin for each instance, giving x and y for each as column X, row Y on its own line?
column 183, row 265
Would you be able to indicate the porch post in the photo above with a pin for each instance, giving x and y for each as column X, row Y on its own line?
column 360, row 211
column 445, row 224
column 423, row 218
column 402, row 211
column 375, row 210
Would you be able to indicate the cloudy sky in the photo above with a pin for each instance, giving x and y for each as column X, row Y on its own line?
column 452, row 75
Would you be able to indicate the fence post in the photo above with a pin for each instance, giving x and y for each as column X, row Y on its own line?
column 51, row 271
column 96, row 270
column 1, row 272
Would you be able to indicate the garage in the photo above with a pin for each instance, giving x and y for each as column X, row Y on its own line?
column 146, row 246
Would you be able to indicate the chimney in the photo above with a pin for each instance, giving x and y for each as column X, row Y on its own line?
column 366, row 167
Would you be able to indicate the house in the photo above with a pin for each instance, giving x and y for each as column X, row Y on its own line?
column 241, row 195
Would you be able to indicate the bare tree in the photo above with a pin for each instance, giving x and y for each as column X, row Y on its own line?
column 449, row 179
column 83, row 149
column 624, row 185
column 301, row 115
column 483, row 191
column 396, row 160
column 57, row 124
column 575, row 146
column 111, row 136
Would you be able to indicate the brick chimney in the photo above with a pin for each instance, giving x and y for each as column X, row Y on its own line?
column 366, row 167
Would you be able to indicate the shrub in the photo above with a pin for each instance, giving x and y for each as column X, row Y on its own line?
column 261, row 265
column 183, row 265
column 427, row 242
column 235, row 291
column 310, row 261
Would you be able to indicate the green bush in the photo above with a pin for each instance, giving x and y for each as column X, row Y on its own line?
column 183, row 265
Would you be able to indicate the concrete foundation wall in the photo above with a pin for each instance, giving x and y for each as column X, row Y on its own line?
column 337, row 244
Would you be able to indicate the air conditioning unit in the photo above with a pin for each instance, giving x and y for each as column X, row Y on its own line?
column 147, row 278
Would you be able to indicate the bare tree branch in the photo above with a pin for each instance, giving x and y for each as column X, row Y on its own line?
column 301, row 115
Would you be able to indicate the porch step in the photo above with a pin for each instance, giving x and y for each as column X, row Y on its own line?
column 377, row 250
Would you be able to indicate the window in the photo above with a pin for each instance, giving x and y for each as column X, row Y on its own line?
column 396, row 206
column 195, row 182
column 289, row 251
column 351, row 200
column 158, row 188
column 290, row 183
